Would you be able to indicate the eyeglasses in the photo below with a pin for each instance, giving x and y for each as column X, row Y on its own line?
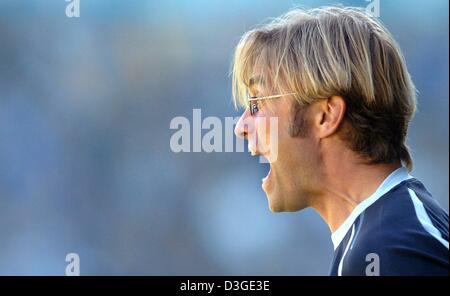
column 253, row 101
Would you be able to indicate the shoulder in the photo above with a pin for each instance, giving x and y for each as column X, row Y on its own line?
column 405, row 232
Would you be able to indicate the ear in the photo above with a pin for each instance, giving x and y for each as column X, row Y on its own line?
column 330, row 116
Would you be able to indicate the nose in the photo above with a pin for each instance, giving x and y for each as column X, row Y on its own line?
column 244, row 126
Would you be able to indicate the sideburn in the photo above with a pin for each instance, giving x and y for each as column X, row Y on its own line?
column 298, row 126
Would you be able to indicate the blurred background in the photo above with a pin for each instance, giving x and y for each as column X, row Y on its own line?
column 85, row 160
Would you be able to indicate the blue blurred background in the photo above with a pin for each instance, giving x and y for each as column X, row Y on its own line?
column 85, row 161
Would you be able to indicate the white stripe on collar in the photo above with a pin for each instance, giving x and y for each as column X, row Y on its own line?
column 395, row 178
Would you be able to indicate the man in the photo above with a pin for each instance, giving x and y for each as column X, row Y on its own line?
column 338, row 85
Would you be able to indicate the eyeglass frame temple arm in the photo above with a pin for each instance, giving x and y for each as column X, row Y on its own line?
column 268, row 97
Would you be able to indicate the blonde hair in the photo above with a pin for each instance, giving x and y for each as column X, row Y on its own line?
column 321, row 52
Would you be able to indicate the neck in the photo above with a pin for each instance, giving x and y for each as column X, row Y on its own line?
column 346, row 187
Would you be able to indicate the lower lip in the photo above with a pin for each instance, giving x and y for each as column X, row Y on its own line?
column 265, row 181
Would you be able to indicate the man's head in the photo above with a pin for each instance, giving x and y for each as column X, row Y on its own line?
column 347, row 90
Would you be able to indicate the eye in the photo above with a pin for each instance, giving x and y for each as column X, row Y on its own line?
column 254, row 108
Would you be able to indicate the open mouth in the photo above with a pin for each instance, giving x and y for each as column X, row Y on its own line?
column 266, row 182
column 266, row 178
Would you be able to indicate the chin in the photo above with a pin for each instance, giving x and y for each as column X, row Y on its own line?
column 278, row 205
column 276, row 208
column 281, row 198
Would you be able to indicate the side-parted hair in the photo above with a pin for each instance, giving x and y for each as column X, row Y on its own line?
column 321, row 52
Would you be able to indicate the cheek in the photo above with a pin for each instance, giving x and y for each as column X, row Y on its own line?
column 266, row 129
column 271, row 132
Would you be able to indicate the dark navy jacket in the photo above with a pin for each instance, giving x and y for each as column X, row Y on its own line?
column 399, row 230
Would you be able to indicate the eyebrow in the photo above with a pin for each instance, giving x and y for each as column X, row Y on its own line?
column 255, row 80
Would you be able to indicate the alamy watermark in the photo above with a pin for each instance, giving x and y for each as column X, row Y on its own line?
column 73, row 8
column 73, row 268
column 220, row 137
column 373, row 8
column 373, row 268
